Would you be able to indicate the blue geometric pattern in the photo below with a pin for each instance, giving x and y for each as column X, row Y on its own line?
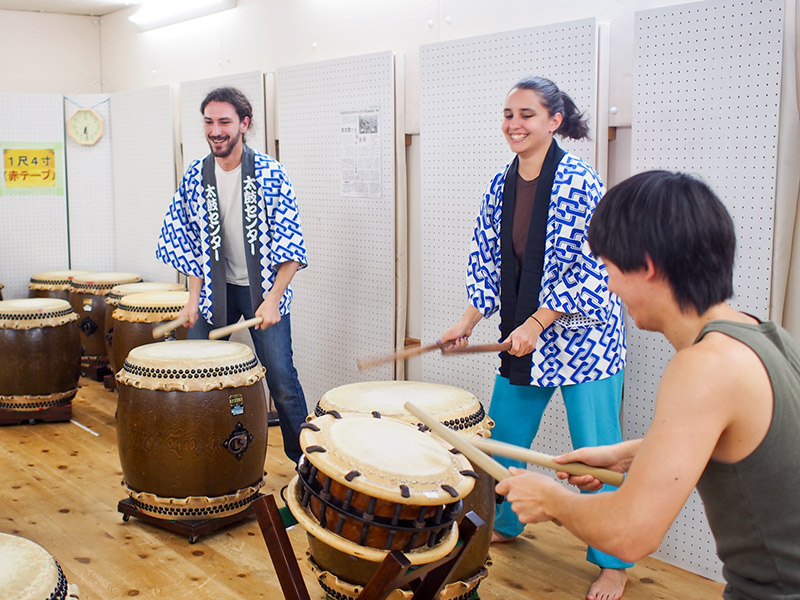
column 184, row 239
column 588, row 342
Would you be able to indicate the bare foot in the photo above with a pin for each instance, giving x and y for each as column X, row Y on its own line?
column 609, row 585
column 500, row 538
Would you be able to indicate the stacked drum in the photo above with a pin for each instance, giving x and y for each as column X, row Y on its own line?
column 453, row 407
column 87, row 294
column 192, row 428
column 41, row 352
column 52, row 284
column 29, row 572
column 367, row 485
column 145, row 307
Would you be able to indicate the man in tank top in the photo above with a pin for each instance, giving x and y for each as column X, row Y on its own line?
column 728, row 407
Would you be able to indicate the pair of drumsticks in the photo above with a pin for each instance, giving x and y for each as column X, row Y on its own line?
column 445, row 347
column 215, row 334
column 475, row 450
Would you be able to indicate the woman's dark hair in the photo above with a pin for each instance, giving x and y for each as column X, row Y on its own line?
column 679, row 222
column 573, row 123
column 233, row 97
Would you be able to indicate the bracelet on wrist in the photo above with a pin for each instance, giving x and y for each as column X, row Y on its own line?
column 538, row 321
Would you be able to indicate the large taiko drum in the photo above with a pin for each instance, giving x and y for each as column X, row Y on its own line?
column 87, row 294
column 131, row 318
column 40, row 354
column 455, row 408
column 369, row 485
column 192, row 428
column 29, row 572
column 52, row 284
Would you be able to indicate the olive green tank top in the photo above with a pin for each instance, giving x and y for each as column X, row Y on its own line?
column 753, row 506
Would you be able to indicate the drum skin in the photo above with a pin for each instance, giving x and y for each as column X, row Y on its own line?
column 128, row 336
column 171, row 443
column 40, row 361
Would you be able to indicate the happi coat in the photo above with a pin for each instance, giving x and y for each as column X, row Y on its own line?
column 185, row 240
column 587, row 343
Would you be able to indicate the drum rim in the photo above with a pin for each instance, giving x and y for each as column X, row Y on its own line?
column 311, row 525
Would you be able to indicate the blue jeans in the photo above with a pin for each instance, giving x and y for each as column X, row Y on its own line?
column 593, row 418
column 273, row 347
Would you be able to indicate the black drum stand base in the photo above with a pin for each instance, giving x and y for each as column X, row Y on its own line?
column 49, row 415
column 192, row 530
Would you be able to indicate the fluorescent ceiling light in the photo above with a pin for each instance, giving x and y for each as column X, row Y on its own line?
column 159, row 13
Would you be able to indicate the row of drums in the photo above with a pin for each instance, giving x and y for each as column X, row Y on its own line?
column 72, row 321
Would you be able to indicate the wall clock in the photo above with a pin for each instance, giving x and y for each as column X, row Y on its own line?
column 85, row 126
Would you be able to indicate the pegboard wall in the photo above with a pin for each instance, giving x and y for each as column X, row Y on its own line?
column 33, row 228
column 463, row 87
column 192, row 94
column 90, row 191
column 706, row 99
column 144, row 177
column 344, row 306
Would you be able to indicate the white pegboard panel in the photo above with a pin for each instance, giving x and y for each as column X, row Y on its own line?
column 706, row 99
column 192, row 94
column 463, row 87
column 90, row 190
column 33, row 229
column 344, row 305
column 144, row 177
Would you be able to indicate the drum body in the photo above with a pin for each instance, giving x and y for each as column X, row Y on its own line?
column 369, row 485
column 192, row 428
column 87, row 295
column 132, row 318
column 40, row 350
column 29, row 572
column 454, row 407
column 52, row 284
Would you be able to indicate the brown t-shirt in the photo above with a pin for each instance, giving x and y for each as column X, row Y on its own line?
column 523, row 209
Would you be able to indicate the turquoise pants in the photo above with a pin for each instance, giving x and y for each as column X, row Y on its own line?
column 593, row 418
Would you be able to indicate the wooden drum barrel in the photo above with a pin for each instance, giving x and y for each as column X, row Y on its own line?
column 87, row 294
column 453, row 407
column 192, row 428
column 367, row 485
column 52, row 284
column 29, row 572
column 40, row 365
column 141, row 315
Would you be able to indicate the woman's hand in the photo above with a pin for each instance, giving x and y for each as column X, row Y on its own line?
column 523, row 339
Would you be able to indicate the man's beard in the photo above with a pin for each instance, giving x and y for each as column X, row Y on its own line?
column 226, row 150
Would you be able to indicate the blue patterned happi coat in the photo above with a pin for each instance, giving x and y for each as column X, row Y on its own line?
column 184, row 239
column 588, row 342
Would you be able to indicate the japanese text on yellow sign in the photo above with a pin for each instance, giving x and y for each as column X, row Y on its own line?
column 29, row 168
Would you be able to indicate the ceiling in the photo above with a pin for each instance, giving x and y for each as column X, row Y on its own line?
column 67, row 7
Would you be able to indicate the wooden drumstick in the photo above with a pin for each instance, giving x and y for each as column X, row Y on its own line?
column 165, row 328
column 500, row 347
column 215, row 334
column 545, row 460
column 460, row 443
column 367, row 363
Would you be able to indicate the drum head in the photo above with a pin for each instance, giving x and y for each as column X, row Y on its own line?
column 150, row 307
column 118, row 291
column 54, row 280
column 190, row 365
column 101, row 283
column 31, row 313
column 456, row 408
column 394, row 461
column 28, row 571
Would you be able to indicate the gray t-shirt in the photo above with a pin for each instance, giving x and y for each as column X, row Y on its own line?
column 229, row 190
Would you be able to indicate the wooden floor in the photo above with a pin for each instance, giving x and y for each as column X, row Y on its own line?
column 61, row 485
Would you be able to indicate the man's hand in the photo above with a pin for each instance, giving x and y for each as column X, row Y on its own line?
column 530, row 494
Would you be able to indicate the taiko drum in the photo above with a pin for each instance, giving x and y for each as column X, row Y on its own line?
column 29, row 572
column 52, row 284
column 192, row 428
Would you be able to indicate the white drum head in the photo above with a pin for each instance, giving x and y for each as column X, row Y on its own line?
column 30, row 313
column 28, row 571
column 123, row 289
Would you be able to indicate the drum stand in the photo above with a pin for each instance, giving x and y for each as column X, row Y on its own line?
column 191, row 529
column 395, row 571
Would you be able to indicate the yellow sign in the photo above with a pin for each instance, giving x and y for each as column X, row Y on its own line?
column 34, row 168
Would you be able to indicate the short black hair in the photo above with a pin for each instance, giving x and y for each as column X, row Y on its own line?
column 679, row 222
column 232, row 96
